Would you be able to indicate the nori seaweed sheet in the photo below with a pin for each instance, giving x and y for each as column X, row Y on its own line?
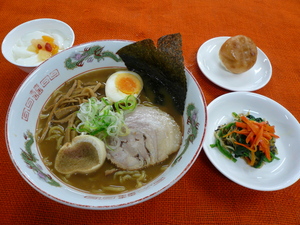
column 160, row 67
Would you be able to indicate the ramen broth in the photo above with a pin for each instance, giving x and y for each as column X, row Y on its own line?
column 97, row 181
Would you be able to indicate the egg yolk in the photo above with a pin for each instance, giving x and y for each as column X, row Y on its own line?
column 128, row 84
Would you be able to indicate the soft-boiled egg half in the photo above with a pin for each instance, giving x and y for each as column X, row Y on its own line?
column 123, row 83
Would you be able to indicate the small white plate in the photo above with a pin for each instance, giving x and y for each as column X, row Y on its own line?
column 272, row 176
column 255, row 78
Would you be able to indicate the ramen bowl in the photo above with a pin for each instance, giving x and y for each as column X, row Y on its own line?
column 18, row 39
column 33, row 93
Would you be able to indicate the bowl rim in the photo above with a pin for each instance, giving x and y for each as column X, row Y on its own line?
column 129, row 203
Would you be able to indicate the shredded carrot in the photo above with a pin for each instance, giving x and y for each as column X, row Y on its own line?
column 251, row 149
column 230, row 133
column 258, row 136
column 240, row 124
column 252, row 159
column 250, row 137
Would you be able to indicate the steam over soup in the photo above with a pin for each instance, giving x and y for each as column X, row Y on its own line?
column 134, row 157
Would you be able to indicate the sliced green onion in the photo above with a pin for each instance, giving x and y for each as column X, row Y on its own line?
column 103, row 118
column 127, row 104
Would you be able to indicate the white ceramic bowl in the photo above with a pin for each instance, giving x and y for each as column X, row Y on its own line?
column 27, row 102
column 272, row 176
column 44, row 24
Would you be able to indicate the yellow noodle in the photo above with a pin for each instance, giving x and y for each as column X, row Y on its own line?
column 43, row 116
column 91, row 83
column 47, row 162
column 63, row 120
column 45, row 130
column 56, row 130
column 138, row 184
column 65, row 179
column 88, row 91
column 136, row 175
column 97, row 86
column 164, row 167
column 68, row 130
column 59, row 142
column 51, row 106
column 114, row 188
column 79, row 84
column 142, row 176
column 97, row 191
column 54, row 136
column 126, row 177
column 38, row 131
column 73, row 134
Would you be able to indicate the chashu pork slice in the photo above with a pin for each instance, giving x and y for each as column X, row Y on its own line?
column 154, row 135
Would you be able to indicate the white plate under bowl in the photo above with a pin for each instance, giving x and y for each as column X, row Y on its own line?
column 272, row 176
column 29, row 99
column 209, row 62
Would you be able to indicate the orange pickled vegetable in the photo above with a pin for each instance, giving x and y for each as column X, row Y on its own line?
column 48, row 39
column 45, row 47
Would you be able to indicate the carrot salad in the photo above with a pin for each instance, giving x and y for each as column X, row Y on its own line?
column 247, row 137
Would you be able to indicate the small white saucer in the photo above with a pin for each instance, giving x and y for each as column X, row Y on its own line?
column 272, row 176
column 210, row 65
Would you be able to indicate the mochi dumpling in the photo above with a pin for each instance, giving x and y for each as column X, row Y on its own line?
column 85, row 154
column 238, row 54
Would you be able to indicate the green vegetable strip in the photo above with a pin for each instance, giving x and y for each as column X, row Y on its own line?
column 223, row 150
